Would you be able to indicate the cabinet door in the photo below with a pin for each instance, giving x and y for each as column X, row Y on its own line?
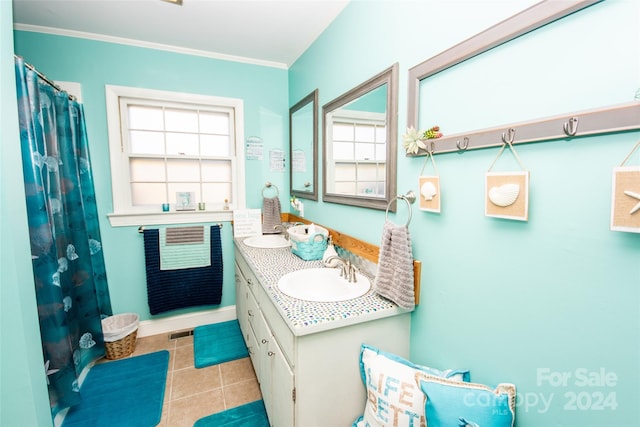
column 241, row 303
column 282, row 399
column 254, row 352
column 256, row 334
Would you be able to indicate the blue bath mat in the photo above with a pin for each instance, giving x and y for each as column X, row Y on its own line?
column 218, row 343
column 252, row 414
column 123, row 393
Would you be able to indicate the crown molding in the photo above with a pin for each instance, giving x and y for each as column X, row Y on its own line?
column 147, row 45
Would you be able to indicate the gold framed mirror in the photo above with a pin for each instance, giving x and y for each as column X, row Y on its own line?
column 360, row 144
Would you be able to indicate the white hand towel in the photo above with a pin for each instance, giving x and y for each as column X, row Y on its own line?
column 394, row 279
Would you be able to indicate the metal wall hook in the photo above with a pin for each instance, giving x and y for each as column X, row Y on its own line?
column 432, row 148
column 571, row 127
column 465, row 145
column 508, row 137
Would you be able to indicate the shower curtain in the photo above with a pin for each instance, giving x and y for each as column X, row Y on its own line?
column 68, row 265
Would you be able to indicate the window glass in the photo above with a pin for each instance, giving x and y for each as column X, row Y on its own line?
column 148, row 118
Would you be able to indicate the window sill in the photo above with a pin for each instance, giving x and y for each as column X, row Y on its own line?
column 162, row 218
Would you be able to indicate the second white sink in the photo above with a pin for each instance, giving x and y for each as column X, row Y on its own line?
column 322, row 285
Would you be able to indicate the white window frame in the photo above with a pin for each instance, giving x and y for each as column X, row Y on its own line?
column 124, row 214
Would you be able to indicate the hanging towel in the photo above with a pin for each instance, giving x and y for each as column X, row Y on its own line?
column 187, row 287
column 184, row 247
column 270, row 215
column 394, row 279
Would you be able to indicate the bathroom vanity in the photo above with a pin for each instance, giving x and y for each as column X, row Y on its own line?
column 306, row 354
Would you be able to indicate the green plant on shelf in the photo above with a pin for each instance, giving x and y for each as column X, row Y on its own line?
column 414, row 140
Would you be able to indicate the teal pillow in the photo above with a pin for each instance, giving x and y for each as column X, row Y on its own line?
column 393, row 397
column 453, row 403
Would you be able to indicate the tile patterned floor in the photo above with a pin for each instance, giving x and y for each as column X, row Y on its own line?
column 193, row 393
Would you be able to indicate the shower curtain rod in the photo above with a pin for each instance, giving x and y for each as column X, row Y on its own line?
column 46, row 79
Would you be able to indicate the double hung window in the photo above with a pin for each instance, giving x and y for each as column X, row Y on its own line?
column 165, row 143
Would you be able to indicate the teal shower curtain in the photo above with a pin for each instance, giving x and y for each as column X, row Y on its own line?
column 66, row 249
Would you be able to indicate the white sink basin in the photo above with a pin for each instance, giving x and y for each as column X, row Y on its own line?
column 322, row 285
column 266, row 241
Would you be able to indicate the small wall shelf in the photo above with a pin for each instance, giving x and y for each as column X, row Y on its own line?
column 616, row 118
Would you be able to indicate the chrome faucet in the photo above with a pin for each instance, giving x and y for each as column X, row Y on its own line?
column 347, row 269
column 283, row 230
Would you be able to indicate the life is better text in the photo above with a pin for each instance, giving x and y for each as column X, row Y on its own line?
column 392, row 400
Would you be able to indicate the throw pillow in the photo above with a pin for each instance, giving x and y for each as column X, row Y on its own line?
column 451, row 403
column 393, row 397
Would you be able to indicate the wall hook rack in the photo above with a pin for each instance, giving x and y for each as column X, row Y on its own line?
column 614, row 118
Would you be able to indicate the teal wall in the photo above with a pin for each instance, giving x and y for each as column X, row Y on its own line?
column 509, row 300
column 23, row 391
column 95, row 64
column 519, row 302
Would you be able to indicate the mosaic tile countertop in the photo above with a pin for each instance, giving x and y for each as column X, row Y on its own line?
column 307, row 317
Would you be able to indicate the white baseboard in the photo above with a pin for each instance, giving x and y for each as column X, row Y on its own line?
column 186, row 321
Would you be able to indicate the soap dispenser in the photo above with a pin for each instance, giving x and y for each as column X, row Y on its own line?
column 329, row 252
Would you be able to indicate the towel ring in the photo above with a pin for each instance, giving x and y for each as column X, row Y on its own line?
column 270, row 185
column 409, row 198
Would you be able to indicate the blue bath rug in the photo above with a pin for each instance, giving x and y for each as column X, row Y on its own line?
column 252, row 414
column 218, row 343
column 124, row 393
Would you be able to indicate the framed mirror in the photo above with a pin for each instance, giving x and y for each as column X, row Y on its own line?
column 303, row 147
column 360, row 144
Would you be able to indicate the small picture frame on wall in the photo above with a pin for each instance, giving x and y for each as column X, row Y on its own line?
column 429, row 193
column 625, row 199
column 185, row 201
column 507, row 195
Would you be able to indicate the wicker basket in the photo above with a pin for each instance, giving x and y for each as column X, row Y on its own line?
column 121, row 348
column 120, row 333
column 306, row 244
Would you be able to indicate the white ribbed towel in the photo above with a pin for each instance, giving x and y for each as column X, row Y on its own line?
column 192, row 250
column 394, row 279
column 270, row 215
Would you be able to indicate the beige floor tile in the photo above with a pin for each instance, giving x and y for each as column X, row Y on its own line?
column 165, row 416
column 240, row 393
column 153, row 343
column 185, row 412
column 185, row 341
column 237, row 371
column 184, row 357
column 191, row 381
column 191, row 393
column 167, row 388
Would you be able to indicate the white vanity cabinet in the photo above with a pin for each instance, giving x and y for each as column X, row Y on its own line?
column 308, row 378
column 272, row 369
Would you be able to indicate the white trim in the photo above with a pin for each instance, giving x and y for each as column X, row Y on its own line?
column 124, row 214
column 147, row 45
column 162, row 218
column 186, row 321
